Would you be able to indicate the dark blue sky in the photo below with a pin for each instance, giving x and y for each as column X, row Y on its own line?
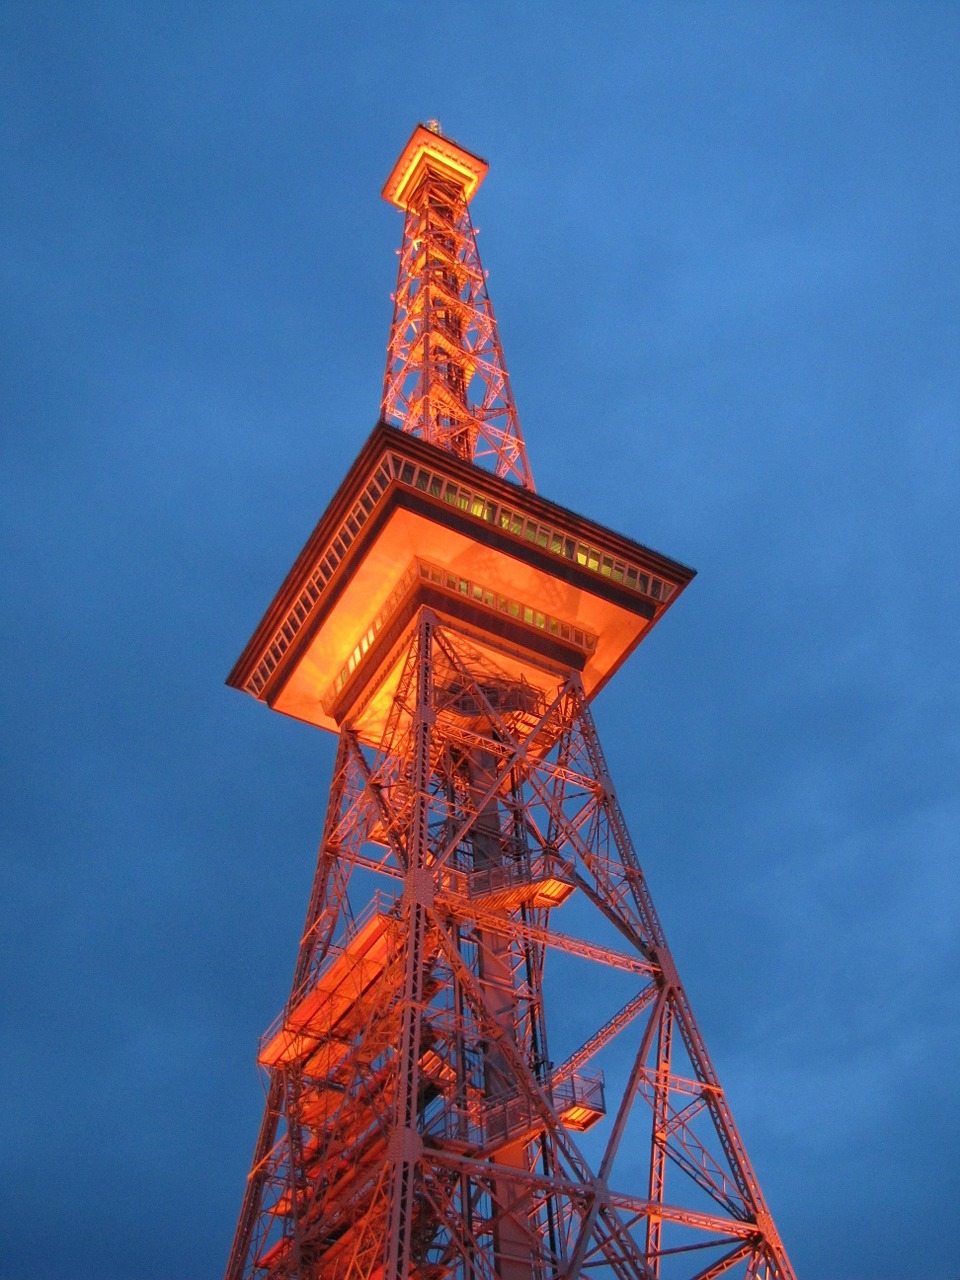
column 723, row 249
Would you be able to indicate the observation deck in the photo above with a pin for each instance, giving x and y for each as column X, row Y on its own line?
column 540, row 590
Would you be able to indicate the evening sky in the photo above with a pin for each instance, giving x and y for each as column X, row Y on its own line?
column 723, row 250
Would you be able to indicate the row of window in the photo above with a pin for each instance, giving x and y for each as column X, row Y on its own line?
column 393, row 466
column 513, row 608
column 542, row 535
column 334, row 553
column 427, row 572
column 371, row 633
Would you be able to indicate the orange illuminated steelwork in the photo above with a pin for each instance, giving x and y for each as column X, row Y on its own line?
column 436, row 1104
column 430, row 155
column 446, row 379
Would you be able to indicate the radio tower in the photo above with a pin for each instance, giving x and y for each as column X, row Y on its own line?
column 480, row 939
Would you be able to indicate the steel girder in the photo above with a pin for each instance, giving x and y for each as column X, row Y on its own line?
column 446, row 379
column 428, row 1082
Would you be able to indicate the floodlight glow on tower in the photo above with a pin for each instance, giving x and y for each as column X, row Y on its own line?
column 487, row 1067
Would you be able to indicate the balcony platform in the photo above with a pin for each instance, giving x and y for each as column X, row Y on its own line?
column 339, row 997
column 489, row 1125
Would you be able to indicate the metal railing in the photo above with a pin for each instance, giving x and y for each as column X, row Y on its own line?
column 493, row 1122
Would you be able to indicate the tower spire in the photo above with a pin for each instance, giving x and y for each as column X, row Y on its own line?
column 446, row 380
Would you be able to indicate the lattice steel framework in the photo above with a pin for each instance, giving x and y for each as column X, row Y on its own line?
column 435, row 1103
column 446, row 379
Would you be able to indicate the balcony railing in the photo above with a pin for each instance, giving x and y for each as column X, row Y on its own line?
column 493, row 1122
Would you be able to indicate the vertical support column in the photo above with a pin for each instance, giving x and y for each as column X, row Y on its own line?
column 658, row 1147
column 514, row 1247
column 406, row 1144
column 496, row 977
column 296, row 1172
column 444, row 210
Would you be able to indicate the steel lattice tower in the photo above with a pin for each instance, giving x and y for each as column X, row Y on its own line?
column 480, row 938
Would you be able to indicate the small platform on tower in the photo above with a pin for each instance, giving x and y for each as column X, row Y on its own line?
column 336, row 998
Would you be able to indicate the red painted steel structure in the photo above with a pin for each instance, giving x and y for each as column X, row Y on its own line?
column 480, row 939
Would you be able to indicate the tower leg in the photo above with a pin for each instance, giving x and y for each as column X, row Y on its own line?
column 405, row 1141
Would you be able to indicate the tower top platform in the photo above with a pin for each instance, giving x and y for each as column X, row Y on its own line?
column 430, row 150
column 541, row 590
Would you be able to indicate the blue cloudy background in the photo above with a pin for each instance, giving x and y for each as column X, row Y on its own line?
column 723, row 248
